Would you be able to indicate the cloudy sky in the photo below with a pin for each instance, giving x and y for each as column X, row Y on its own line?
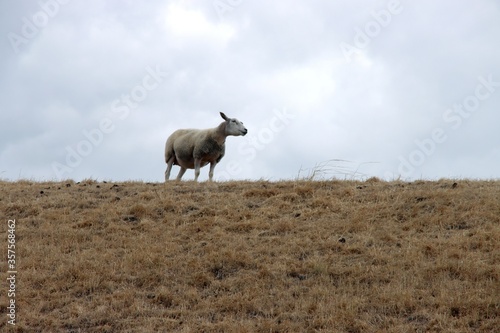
column 351, row 89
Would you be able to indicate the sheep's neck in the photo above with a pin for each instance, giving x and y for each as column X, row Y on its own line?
column 220, row 134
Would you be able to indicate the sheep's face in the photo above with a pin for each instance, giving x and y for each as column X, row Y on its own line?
column 234, row 126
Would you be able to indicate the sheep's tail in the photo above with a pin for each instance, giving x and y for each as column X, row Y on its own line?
column 169, row 150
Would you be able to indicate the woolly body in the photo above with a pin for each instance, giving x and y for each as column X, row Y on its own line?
column 195, row 148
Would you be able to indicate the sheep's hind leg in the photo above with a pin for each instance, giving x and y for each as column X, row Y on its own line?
column 181, row 173
column 170, row 162
column 197, row 165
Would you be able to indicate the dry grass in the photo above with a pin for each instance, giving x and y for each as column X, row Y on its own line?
column 298, row 256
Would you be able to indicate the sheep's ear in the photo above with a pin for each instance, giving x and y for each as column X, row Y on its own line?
column 224, row 116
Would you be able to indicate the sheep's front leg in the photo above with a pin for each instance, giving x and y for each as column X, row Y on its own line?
column 211, row 172
column 197, row 165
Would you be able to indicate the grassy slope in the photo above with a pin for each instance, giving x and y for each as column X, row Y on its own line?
column 255, row 256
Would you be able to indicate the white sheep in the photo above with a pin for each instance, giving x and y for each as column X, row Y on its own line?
column 195, row 148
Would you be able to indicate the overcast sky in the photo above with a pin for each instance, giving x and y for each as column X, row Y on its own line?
column 353, row 89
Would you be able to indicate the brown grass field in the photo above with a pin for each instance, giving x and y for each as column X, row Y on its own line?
column 290, row 256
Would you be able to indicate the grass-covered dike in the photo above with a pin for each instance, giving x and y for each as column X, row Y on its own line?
column 291, row 256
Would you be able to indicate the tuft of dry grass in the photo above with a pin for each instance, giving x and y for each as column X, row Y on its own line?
column 292, row 256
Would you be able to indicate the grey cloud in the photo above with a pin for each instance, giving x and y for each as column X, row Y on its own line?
column 256, row 58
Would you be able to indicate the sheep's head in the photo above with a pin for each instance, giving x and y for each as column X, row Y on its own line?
column 234, row 126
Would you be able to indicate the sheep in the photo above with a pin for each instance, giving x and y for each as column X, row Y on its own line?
column 195, row 148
